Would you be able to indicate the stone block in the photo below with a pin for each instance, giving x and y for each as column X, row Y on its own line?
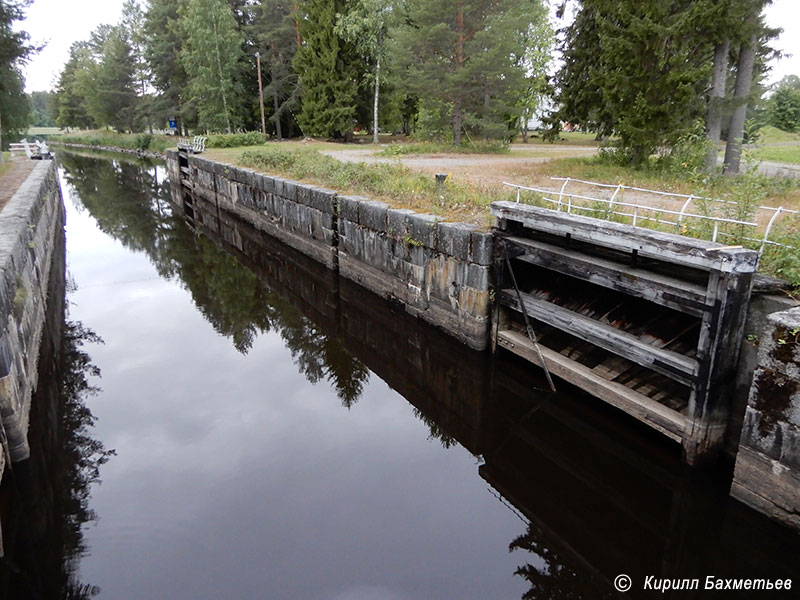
column 278, row 182
column 397, row 221
column 423, row 230
column 349, row 207
column 323, row 199
column 373, row 214
column 265, row 183
column 303, row 193
column 455, row 239
column 481, row 248
column 290, row 189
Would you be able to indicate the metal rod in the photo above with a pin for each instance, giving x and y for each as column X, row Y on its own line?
column 528, row 326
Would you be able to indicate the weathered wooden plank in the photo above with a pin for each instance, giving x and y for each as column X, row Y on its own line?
column 680, row 295
column 661, row 418
column 721, row 336
column 648, row 243
column 671, row 364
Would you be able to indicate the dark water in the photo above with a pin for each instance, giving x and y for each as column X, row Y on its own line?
column 282, row 433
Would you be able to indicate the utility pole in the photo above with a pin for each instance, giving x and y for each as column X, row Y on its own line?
column 261, row 94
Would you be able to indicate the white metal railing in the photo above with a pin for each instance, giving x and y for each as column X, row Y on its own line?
column 566, row 199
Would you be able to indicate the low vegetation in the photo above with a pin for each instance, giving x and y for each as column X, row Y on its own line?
column 130, row 141
column 392, row 183
column 232, row 140
column 430, row 147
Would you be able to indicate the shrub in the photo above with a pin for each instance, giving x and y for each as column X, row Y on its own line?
column 231, row 140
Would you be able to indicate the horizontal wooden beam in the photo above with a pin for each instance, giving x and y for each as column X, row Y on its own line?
column 671, row 364
column 665, row 420
column 680, row 295
column 647, row 242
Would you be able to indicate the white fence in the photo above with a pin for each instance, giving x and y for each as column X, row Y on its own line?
column 644, row 212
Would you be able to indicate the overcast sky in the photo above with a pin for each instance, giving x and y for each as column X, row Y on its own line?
column 59, row 23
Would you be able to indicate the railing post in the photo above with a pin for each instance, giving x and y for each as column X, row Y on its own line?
column 683, row 211
column 716, row 231
column 635, row 215
column 614, row 195
column 561, row 193
column 769, row 228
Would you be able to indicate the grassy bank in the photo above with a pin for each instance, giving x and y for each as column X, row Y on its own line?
column 129, row 141
column 392, row 183
column 781, row 154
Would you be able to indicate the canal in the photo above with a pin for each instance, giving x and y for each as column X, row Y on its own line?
column 281, row 433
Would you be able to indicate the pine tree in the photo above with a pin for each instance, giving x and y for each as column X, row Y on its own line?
column 784, row 104
column 274, row 35
column 212, row 48
column 133, row 24
column 330, row 71
column 162, row 53
column 106, row 81
column 648, row 63
column 71, row 104
column 465, row 59
column 14, row 51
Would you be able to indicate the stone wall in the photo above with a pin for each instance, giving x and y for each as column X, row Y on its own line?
column 438, row 271
column 767, row 475
column 30, row 226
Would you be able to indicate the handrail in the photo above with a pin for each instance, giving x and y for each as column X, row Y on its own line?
column 635, row 215
column 662, row 193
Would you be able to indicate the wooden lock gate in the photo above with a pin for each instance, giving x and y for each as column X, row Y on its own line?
column 649, row 322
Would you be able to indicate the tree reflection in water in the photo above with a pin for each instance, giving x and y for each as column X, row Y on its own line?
column 52, row 489
column 130, row 203
column 554, row 579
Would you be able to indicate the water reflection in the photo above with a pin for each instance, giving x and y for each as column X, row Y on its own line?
column 596, row 494
column 130, row 202
column 46, row 498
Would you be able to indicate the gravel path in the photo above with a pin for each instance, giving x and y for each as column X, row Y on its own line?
column 447, row 161
column 15, row 177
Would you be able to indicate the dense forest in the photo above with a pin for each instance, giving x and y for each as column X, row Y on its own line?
column 650, row 73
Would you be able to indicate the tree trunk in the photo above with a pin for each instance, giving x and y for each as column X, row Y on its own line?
column 377, row 92
column 275, row 100
column 523, row 127
column 744, row 79
column 719, row 77
column 457, row 116
column 1, row 137
column 221, row 77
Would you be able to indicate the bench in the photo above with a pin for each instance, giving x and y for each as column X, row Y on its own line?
column 196, row 146
column 37, row 151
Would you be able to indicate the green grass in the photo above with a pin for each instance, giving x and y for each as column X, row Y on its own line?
column 43, row 130
column 480, row 147
column 130, row 141
column 773, row 135
column 565, row 138
column 783, row 154
column 395, row 184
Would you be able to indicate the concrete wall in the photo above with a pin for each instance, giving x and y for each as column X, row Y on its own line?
column 29, row 234
column 767, row 475
column 438, row 271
